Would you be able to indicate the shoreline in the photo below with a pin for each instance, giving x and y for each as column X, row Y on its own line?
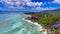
column 35, row 23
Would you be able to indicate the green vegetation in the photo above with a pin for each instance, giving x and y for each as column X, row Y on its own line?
column 46, row 18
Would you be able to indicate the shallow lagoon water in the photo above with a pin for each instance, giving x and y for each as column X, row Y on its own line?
column 12, row 23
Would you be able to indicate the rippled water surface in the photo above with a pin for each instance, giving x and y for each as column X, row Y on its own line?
column 12, row 23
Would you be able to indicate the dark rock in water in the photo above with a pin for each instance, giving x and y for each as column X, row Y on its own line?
column 55, row 25
column 50, row 32
column 34, row 18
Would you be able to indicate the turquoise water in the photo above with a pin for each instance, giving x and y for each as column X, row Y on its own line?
column 12, row 23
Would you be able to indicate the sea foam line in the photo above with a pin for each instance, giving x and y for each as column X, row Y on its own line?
column 40, row 26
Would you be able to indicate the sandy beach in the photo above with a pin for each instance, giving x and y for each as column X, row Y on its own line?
column 40, row 26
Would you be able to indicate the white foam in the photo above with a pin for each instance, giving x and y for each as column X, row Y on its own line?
column 40, row 26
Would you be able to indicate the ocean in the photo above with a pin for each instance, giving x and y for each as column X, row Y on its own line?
column 13, row 23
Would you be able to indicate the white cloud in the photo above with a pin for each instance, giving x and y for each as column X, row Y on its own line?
column 19, row 3
column 22, row 3
column 40, row 8
column 34, row 3
column 56, row 1
column 46, row 8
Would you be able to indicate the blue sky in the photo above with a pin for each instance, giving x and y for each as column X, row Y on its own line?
column 41, row 0
column 29, row 5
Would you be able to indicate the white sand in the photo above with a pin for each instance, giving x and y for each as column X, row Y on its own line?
column 40, row 26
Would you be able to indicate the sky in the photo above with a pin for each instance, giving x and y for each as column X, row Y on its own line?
column 29, row 5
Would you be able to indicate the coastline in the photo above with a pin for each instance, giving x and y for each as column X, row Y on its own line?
column 35, row 23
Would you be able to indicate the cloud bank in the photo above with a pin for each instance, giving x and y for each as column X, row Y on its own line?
column 21, row 4
column 56, row 1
